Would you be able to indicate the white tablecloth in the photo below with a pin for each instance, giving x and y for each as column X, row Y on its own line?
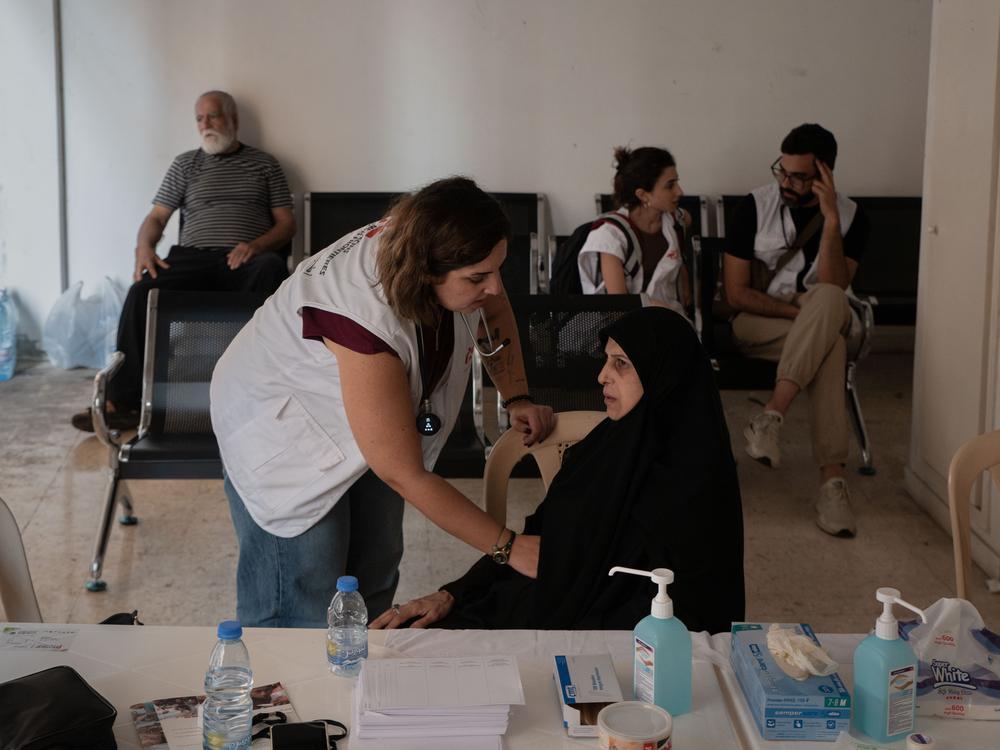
column 129, row 665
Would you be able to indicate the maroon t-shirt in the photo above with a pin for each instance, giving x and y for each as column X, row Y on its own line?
column 438, row 343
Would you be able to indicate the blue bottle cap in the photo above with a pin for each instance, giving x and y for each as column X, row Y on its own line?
column 347, row 584
column 230, row 630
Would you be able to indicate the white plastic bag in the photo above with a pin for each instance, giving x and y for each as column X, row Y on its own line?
column 959, row 662
column 82, row 331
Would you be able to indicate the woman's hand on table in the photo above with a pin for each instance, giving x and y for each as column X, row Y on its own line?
column 535, row 421
column 429, row 609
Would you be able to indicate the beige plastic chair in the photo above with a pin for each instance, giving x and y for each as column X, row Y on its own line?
column 980, row 454
column 16, row 591
column 571, row 427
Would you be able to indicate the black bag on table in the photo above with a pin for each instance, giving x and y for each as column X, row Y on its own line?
column 54, row 709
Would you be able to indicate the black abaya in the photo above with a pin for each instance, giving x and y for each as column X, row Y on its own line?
column 655, row 489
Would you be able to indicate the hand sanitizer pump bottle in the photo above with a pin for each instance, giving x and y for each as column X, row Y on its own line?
column 662, row 666
column 885, row 676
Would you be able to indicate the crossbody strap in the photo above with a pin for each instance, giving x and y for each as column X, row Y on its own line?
column 800, row 240
column 631, row 261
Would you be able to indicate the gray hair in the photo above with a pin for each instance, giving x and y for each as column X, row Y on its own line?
column 227, row 102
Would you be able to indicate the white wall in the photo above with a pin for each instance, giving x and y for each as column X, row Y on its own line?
column 956, row 368
column 521, row 94
column 29, row 173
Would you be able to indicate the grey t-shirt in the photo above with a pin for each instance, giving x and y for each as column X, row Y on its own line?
column 224, row 199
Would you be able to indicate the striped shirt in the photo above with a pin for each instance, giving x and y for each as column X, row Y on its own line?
column 224, row 199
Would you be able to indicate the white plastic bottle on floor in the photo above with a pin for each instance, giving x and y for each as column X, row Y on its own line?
column 228, row 682
column 8, row 335
column 347, row 634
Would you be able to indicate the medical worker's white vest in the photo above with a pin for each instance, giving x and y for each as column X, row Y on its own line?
column 276, row 402
column 608, row 238
column 769, row 243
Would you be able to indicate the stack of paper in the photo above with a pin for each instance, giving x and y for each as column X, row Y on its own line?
column 436, row 697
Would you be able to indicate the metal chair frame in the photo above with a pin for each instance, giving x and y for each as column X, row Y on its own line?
column 202, row 459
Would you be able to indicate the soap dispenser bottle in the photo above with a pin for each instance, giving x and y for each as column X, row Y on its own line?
column 885, row 676
column 662, row 650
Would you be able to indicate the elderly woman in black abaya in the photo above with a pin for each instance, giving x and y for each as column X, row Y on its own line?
column 652, row 486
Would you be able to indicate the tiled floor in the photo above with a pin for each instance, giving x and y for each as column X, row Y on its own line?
column 177, row 565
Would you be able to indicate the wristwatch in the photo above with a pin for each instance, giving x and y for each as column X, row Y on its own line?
column 501, row 554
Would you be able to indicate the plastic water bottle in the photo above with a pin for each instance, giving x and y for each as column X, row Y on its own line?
column 8, row 335
column 347, row 634
column 228, row 682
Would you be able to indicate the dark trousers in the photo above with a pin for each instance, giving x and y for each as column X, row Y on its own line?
column 191, row 269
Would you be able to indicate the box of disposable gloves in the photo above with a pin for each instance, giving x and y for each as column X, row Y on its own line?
column 790, row 684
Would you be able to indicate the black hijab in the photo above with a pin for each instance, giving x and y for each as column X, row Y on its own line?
column 657, row 488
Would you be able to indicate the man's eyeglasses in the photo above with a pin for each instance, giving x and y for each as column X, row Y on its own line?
column 795, row 179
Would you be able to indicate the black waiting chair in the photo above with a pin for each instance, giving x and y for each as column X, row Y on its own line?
column 525, row 271
column 186, row 333
column 735, row 371
column 329, row 216
column 887, row 274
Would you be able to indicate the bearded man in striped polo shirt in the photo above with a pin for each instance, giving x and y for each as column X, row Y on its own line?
column 236, row 224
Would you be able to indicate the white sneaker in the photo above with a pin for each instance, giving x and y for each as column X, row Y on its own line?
column 833, row 509
column 762, row 438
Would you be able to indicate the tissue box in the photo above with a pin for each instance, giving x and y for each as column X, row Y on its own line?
column 586, row 683
column 817, row 708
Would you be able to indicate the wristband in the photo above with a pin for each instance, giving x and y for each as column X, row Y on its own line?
column 522, row 397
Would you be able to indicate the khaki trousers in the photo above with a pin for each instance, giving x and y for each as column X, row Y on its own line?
column 811, row 351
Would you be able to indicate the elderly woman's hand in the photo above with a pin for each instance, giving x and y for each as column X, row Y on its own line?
column 429, row 609
column 534, row 420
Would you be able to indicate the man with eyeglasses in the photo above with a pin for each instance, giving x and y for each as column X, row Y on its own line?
column 793, row 247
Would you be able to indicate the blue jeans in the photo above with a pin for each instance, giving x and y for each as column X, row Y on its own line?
column 288, row 583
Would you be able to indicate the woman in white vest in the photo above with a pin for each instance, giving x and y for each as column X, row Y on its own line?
column 333, row 403
column 641, row 251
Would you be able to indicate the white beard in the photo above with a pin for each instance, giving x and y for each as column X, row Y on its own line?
column 217, row 142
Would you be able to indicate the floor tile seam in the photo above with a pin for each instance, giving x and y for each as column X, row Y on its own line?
column 45, row 492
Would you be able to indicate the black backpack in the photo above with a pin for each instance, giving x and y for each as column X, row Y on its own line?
column 565, row 271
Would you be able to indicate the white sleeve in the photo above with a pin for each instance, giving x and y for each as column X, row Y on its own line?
column 605, row 239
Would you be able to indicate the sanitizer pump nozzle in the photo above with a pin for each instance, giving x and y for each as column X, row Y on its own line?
column 886, row 626
column 663, row 606
column 661, row 668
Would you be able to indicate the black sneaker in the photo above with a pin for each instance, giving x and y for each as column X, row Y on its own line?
column 116, row 420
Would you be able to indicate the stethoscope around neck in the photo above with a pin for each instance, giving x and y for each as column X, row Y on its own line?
column 429, row 423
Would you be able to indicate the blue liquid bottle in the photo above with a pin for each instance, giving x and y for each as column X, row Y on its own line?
column 8, row 335
column 885, row 676
column 662, row 650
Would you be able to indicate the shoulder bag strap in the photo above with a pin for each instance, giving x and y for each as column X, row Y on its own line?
column 800, row 241
column 631, row 262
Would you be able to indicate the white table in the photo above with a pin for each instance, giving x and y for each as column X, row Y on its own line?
column 128, row 665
